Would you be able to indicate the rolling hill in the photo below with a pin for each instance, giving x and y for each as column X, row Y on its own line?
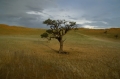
column 19, row 30
column 92, row 54
column 103, row 33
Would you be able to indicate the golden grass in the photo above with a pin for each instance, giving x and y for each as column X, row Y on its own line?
column 111, row 32
column 19, row 30
column 27, row 56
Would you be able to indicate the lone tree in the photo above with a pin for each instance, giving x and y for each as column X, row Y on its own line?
column 116, row 36
column 58, row 28
column 105, row 32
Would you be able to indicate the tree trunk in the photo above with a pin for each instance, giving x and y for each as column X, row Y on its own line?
column 61, row 45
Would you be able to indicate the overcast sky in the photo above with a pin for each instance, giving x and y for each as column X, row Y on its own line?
column 87, row 13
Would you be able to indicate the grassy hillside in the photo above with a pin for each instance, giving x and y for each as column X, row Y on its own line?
column 18, row 30
column 103, row 33
column 28, row 56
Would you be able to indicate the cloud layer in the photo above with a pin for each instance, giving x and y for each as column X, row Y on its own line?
column 87, row 13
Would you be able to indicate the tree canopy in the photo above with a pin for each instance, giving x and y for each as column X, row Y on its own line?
column 58, row 28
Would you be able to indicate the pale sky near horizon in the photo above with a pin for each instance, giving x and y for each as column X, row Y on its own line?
column 86, row 13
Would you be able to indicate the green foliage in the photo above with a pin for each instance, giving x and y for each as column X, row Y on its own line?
column 44, row 35
column 116, row 36
column 105, row 32
column 58, row 28
column 49, row 31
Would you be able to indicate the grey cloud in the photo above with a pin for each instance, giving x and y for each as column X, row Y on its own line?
column 96, row 24
column 33, row 8
column 13, row 12
column 112, row 20
column 103, row 10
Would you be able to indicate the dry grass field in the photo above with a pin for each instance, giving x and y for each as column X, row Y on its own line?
column 19, row 30
column 24, row 55
column 102, row 33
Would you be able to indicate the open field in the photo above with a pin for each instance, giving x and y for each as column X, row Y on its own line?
column 19, row 30
column 24, row 55
column 102, row 33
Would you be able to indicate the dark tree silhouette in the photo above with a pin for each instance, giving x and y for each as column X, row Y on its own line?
column 116, row 35
column 58, row 28
column 105, row 32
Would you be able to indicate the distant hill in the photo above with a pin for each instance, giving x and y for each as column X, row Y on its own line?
column 18, row 30
column 111, row 33
column 104, row 33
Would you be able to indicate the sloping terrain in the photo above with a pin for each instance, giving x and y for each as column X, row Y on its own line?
column 110, row 34
column 19, row 30
column 26, row 56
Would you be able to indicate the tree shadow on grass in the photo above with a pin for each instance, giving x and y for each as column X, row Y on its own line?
column 56, row 50
column 50, row 48
column 42, row 42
